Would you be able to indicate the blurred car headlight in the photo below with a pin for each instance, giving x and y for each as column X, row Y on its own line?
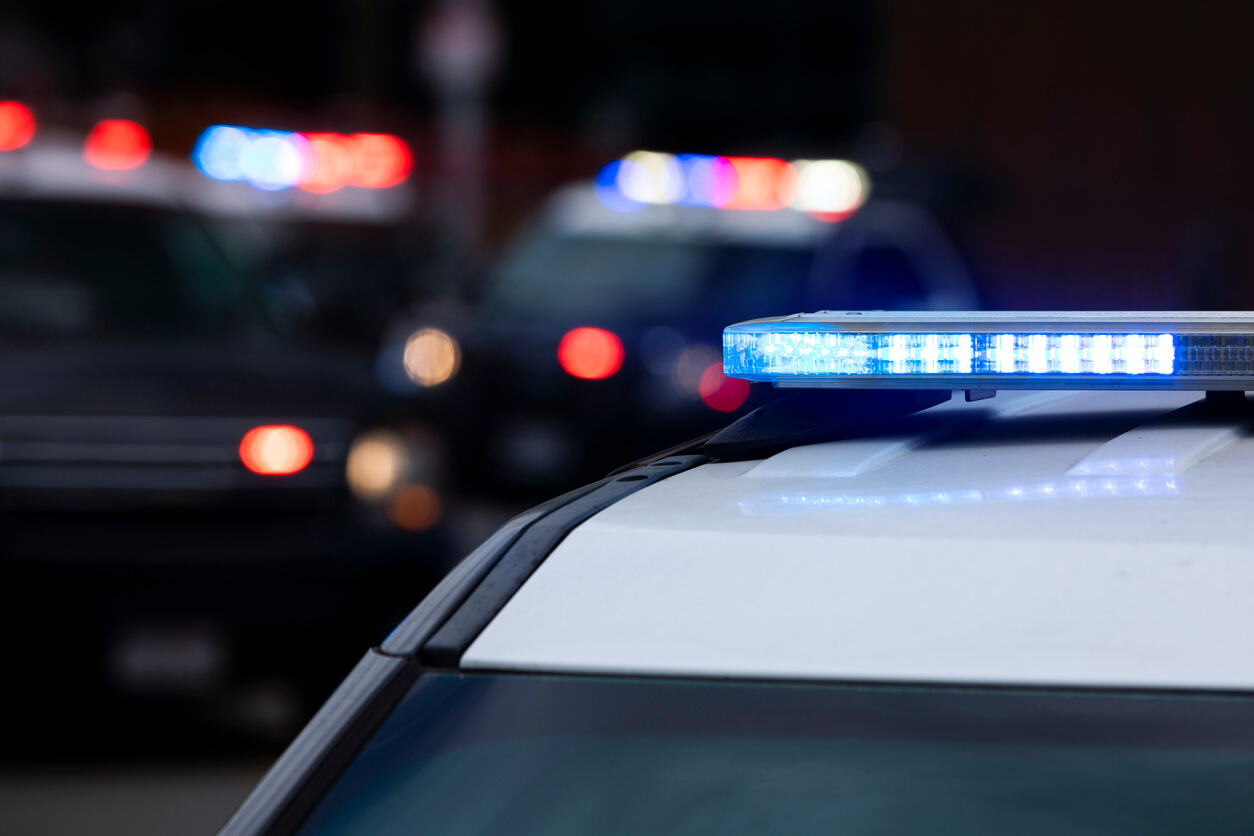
column 377, row 462
column 431, row 357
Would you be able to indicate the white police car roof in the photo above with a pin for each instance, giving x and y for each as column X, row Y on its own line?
column 53, row 169
column 1055, row 538
column 576, row 210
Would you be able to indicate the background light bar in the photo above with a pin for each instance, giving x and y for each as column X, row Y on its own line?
column 829, row 190
column 1006, row 350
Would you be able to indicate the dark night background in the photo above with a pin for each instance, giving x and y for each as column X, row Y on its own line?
column 1081, row 155
column 1109, row 141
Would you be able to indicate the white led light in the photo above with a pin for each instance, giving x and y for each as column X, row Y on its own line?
column 651, row 177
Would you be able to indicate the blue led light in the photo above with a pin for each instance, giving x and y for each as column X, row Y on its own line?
column 709, row 181
column 833, row 353
column 939, row 350
column 776, row 503
column 609, row 194
column 218, row 151
column 269, row 160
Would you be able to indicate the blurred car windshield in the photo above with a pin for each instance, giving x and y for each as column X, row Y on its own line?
column 100, row 270
column 561, row 755
column 564, row 276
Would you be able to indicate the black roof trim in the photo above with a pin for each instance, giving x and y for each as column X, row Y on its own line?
column 446, row 646
column 814, row 415
column 313, row 761
column 300, row 777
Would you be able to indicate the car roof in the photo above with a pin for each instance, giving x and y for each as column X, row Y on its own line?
column 1048, row 538
column 53, row 169
column 576, row 210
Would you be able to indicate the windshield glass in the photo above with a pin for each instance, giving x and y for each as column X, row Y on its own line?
column 552, row 755
column 92, row 270
column 564, row 277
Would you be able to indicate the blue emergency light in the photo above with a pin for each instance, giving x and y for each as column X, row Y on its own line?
column 1203, row 350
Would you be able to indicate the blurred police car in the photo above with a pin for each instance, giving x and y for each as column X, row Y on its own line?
column 863, row 608
column 597, row 335
column 328, row 219
column 173, row 501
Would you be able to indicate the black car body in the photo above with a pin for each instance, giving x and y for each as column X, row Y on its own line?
column 133, row 361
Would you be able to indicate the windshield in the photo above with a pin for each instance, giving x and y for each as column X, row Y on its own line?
column 554, row 756
column 570, row 277
column 95, row 270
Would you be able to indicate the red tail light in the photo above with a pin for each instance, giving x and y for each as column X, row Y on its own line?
column 590, row 353
column 277, row 450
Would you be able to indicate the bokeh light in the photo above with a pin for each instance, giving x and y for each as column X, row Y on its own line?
column 650, row 177
column 276, row 160
column 431, row 357
column 415, row 508
column 333, row 165
column 720, row 392
column 606, row 185
column 590, row 353
column 317, row 162
column 117, row 145
column 17, row 125
column 276, row 450
column 709, row 181
column 829, row 189
column 377, row 463
column 380, row 161
column 762, row 183
column 691, row 365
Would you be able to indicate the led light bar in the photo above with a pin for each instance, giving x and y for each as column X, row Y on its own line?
column 996, row 350
column 829, row 190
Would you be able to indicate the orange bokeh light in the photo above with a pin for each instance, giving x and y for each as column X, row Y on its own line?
column 415, row 508
column 762, row 183
column 368, row 161
column 590, row 353
column 17, row 125
column 117, row 145
column 721, row 392
column 332, row 164
column 379, row 161
column 276, row 450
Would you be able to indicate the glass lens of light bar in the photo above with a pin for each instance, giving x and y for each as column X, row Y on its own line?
column 829, row 352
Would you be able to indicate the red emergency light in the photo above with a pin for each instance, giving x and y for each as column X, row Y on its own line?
column 17, row 125
column 117, row 145
column 368, row 161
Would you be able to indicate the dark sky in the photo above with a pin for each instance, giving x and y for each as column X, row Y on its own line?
column 675, row 72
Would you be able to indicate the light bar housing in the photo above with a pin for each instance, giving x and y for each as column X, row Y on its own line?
column 1199, row 350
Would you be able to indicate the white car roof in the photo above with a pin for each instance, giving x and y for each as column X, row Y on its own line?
column 576, row 210
column 52, row 168
column 1061, row 538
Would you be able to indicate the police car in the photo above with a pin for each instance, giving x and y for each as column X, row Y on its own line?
column 867, row 607
column 174, row 468
column 595, row 337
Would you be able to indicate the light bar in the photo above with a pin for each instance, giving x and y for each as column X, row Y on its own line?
column 996, row 350
column 319, row 162
column 829, row 190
